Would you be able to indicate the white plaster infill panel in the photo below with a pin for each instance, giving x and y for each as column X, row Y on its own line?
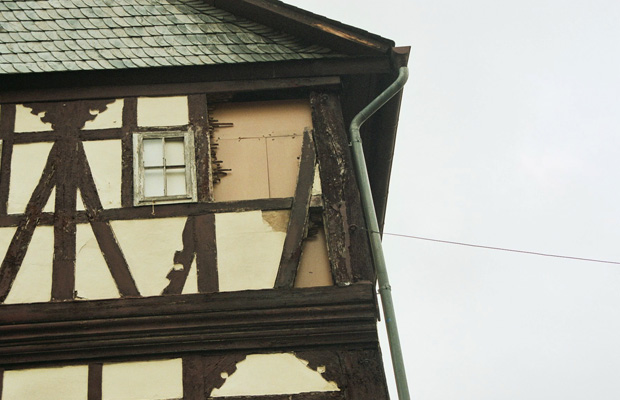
column 163, row 111
column 27, row 165
column 33, row 282
column 144, row 380
column 65, row 383
column 112, row 117
column 270, row 374
column 25, row 121
column 105, row 160
column 93, row 279
column 149, row 246
column 249, row 248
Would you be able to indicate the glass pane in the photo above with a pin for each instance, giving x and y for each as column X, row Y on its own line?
column 175, row 181
column 153, row 182
column 153, row 152
column 175, row 151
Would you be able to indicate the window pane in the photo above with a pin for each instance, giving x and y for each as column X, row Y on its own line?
column 153, row 182
column 175, row 151
column 175, row 180
column 153, row 152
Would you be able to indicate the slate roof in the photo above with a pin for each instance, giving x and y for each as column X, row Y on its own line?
column 72, row 35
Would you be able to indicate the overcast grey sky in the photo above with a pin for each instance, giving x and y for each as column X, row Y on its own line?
column 509, row 136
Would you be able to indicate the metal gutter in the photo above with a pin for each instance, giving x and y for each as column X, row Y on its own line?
column 385, row 290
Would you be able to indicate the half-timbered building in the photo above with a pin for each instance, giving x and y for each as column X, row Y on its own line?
column 179, row 216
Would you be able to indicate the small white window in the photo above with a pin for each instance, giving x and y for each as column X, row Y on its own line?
column 164, row 167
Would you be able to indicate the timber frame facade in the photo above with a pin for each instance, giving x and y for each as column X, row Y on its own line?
column 212, row 330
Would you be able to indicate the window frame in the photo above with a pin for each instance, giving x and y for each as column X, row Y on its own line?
column 139, row 169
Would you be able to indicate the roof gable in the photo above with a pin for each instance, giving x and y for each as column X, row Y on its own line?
column 73, row 35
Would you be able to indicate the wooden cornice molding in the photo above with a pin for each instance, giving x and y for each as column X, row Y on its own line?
column 253, row 321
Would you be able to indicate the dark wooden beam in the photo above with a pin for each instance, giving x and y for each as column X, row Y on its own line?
column 199, row 123
column 289, row 81
column 130, row 123
column 347, row 240
column 161, row 211
column 206, row 253
column 246, row 321
column 95, row 374
column 298, row 221
column 7, row 126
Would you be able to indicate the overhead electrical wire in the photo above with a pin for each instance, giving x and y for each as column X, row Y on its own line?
column 501, row 248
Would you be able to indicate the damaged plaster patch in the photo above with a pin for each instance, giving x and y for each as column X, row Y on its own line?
column 278, row 220
column 270, row 374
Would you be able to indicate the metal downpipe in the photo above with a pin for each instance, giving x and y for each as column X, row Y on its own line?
column 372, row 225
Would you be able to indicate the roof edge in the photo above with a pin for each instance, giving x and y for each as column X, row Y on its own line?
column 316, row 28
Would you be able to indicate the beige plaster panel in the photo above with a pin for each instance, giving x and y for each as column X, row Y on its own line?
column 267, row 374
column 262, row 148
column 27, row 165
column 249, row 178
column 111, row 117
column 145, row 380
column 249, row 248
column 33, row 282
column 261, row 168
column 104, row 158
column 149, row 246
column 263, row 118
column 314, row 267
column 283, row 154
column 162, row 111
column 27, row 122
column 92, row 276
column 65, row 383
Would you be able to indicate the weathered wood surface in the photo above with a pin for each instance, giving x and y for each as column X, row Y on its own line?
column 298, row 222
column 130, row 123
column 161, row 211
column 7, row 123
column 347, row 240
column 255, row 320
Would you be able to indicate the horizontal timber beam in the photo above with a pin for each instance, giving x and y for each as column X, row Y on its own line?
column 254, row 320
column 161, row 211
column 167, row 89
